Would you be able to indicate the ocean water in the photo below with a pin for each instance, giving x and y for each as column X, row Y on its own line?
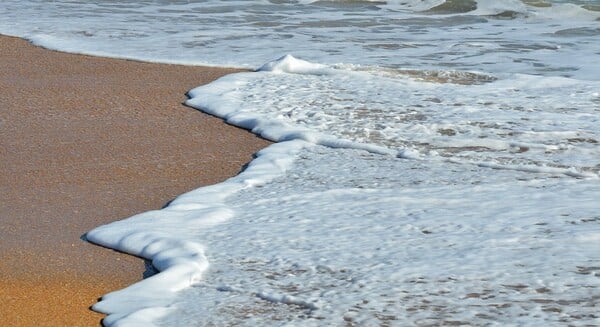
column 437, row 162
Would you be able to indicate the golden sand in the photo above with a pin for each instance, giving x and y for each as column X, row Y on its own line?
column 85, row 141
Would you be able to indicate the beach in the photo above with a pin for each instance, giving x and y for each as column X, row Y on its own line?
column 86, row 141
column 428, row 163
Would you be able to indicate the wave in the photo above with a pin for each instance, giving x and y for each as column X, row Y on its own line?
column 501, row 9
column 453, row 7
column 463, row 116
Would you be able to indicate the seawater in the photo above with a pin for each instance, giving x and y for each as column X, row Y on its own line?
column 437, row 161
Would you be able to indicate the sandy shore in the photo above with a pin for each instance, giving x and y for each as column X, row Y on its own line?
column 85, row 141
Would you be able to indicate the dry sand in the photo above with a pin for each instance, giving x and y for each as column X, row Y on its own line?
column 85, row 141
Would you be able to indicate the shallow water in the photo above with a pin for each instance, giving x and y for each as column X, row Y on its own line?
column 414, row 136
column 404, row 242
column 398, row 34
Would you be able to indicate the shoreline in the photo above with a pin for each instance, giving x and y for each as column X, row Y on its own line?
column 85, row 141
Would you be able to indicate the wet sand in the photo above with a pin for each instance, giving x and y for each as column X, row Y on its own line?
column 85, row 141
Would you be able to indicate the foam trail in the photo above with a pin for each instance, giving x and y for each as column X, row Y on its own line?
column 501, row 91
column 220, row 98
column 162, row 237
column 283, row 100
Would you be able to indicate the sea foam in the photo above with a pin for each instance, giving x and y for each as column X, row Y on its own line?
column 160, row 236
column 437, row 161
column 326, row 231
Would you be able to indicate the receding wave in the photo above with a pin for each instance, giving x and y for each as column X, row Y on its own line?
column 350, row 2
column 581, row 31
column 436, row 76
column 507, row 14
column 592, row 7
column 537, row 3
column 454, row 77
column 453, row 7
column 500, row 9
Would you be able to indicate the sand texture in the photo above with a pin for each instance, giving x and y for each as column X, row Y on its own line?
column 85, row 141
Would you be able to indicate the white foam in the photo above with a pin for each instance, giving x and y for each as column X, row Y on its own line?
column 163, row 237
column 289, row 64
column 403, row 242
column 225, row 98
column 488, row 123
column 501, row 114
column 247, row 34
